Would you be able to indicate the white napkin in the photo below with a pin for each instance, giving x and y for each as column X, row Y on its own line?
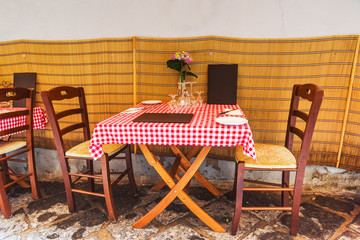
column 133, row 110
column 234, row 113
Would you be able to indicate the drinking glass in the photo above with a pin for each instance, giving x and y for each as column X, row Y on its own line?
column 182, row 88
column 199, row 99
column 192, row 97
column 172, row 104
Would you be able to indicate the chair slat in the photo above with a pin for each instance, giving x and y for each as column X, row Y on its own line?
column 63, row 92
column 14, row 114
column 69, row 112
column 298, row 132
column 14, row 130
column 304, row 116
column 72, row 128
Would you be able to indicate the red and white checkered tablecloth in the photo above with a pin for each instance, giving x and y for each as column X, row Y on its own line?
column 201, row 131
column 39, row 117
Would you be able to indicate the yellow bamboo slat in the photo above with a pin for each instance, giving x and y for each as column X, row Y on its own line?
column 351, row 82
column 134, row 72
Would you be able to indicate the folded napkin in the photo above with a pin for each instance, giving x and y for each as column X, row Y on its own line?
column 133, row 110
column 234, row 113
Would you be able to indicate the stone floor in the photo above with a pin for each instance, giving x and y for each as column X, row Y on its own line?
column 322, row 216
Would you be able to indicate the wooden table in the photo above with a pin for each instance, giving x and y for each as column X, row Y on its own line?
column 201, row 133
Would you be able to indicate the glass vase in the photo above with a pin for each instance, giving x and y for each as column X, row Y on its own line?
column 182, row 93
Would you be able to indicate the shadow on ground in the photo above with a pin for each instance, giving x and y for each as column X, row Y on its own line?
column 321, row 216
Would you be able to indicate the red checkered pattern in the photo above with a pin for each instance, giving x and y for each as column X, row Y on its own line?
column 39, row 117
column 201, row 131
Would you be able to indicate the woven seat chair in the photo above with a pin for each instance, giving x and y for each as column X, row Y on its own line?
column 80, row 151
column 280, row 158
column 11, row 149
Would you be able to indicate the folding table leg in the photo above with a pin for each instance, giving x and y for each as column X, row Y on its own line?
column 175, row 167
column 173, row 172
column 185, row 162
column 177, row 191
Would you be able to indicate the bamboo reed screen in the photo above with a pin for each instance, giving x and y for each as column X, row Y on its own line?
column 268, row 68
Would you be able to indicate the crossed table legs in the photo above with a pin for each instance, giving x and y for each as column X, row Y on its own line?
column 177, row 188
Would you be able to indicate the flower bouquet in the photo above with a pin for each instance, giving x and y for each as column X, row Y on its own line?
column 180, row 62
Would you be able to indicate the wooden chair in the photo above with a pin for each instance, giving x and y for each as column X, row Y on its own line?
column 11, row 149
column 280, row 158
column 81, row 151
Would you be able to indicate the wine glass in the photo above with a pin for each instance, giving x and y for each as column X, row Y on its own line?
column 192, row 97
column 199, row 99
column 172, row 104
column 182, row 88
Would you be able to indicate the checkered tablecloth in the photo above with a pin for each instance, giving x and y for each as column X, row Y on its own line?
column 39, row 117
column 201, row 131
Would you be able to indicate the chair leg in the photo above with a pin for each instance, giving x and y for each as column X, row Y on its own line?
column 90, row 167
column 4, row 202
column 130, row 172
column 233, row 193
column 68, row 183
column 296, row 202
column 285, row 194
column 239, row 196
column 107, row 187
column 4, row 171
column 33, row 177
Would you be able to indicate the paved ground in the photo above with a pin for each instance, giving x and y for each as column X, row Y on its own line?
column 322, row 216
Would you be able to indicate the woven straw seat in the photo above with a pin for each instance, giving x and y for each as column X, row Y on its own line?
column 6, row 147
column 268, row 156
column 82, row 149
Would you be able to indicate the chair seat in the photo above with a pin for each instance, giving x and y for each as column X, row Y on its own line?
column 10, row 146
column 268, row 156
column 82, row 149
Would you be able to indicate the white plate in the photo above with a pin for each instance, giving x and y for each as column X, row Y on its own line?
column 234, row 113
column 151, row 102
column 232, row 121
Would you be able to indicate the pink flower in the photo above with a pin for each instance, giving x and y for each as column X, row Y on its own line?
column 182, row 56
column 183, row 65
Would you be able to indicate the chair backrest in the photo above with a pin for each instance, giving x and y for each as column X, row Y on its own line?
column 58, row 94
column 222, row 84
column 13, row 94
column 24, row 80
column 315, row 95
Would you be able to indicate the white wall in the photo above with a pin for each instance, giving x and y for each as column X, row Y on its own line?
column 87, row 19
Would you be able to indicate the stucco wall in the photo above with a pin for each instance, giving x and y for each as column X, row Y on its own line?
column 84, row 19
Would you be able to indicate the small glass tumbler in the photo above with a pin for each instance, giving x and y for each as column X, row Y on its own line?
column 173, row 103
column 199, row 99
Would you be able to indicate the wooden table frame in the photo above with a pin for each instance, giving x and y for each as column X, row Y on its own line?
column 177, row 189
column 182, row 163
